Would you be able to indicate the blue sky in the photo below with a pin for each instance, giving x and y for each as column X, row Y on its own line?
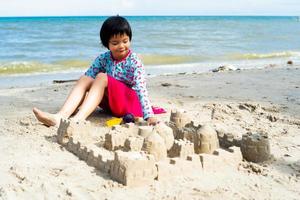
column 148, row 7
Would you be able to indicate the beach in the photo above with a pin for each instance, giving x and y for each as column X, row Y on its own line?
column 237, row 74
column 34, row 166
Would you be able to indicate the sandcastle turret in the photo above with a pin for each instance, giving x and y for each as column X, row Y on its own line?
column 179, row 118
column 145, row 131
column 206, row 140
column 80, row 130
column 255, row 147
column 154, row 144
column 166, row 133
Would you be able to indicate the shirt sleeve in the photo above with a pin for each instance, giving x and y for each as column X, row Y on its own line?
column 96, row 67
column 140, row 87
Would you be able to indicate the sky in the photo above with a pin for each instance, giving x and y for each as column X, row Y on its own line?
column 147, row 7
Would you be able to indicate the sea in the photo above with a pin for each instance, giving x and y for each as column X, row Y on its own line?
column 38, row 50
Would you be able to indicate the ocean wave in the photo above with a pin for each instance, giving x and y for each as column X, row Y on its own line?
column 249, row 56
column 150, row 59
column 29, row 67
column 22, row 67
column 73, row 63
column 152, row 62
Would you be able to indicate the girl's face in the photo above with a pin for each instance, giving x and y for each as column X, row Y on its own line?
column 119, row 46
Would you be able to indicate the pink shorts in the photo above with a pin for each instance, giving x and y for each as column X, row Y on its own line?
column 120, row 99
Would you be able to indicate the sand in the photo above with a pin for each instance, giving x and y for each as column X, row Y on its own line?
column 34, row 166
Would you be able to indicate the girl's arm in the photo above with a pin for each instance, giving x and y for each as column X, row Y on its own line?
column 140, row 88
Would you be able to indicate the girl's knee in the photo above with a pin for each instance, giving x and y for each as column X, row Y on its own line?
column 85, row 79
column 102, row 77
column 85, row 82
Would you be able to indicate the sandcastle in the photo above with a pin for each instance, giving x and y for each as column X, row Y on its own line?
column 136, row 154
column 255, row 147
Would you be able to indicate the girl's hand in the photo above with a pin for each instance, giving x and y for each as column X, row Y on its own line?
column 152, row 121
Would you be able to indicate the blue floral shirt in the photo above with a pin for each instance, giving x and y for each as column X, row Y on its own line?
column 129, row 70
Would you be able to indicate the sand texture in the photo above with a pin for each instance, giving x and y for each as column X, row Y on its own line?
column 34, row 164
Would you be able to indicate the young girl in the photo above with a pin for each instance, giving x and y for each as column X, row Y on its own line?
column 115, row 81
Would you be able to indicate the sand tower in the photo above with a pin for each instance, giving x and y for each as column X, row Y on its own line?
column 255, row 147
column 154, row 144
column 206, row 140
column 179, row 118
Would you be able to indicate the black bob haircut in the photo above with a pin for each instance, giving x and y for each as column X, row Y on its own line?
column 113, row 26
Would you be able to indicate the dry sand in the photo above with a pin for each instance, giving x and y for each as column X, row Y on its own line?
column 34, row 166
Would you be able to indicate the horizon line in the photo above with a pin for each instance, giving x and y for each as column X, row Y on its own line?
column 210, row 15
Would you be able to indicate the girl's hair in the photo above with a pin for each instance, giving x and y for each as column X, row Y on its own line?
column 113, row 26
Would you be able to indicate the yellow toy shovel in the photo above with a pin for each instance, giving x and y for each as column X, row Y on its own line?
column 114, row 121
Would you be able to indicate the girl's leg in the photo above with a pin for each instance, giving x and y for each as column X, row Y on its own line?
column 76, row 96
column 93, row 98
column 72, row 102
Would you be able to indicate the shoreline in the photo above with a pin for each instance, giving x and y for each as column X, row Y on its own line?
column 46, row 78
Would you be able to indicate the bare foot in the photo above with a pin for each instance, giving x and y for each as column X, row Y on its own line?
column 46, row 118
